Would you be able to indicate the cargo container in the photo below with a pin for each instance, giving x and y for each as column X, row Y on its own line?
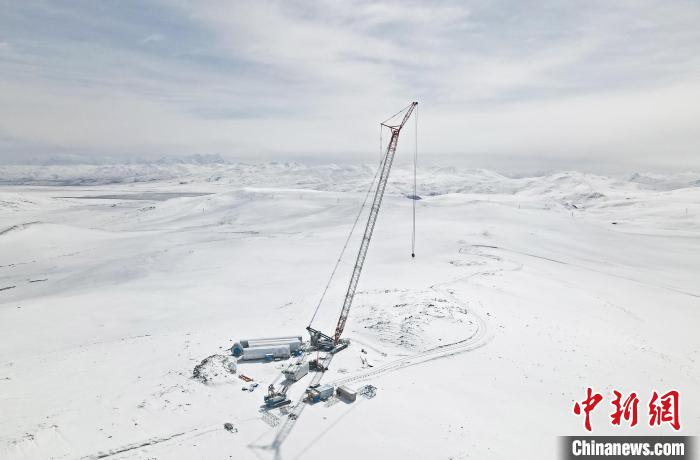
column 346, row 393
column 294, row 343
column 326, row 391
column 267, row 353
column 296, row 371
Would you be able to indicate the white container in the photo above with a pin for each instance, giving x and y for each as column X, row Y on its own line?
column 296, row 371
column 266, row 352
column 325, row 391
column 346, row 393
column 294, row 343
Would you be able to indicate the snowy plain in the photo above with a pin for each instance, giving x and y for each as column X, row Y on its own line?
column 117, row 280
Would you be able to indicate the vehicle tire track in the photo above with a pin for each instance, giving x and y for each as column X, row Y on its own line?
column 478, row 339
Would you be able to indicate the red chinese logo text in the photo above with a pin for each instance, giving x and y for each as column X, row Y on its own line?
column 662, row 409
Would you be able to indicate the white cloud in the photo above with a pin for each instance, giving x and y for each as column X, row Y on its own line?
column 496, row 78
column 152, row 38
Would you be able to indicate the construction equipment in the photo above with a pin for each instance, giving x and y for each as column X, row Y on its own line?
column 250, row 387
column 316, row 365
column 276, row 398
column 368, row 391
column 319, row 340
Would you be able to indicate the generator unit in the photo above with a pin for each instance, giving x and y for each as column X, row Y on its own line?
column 296, row 371
column 319, row 393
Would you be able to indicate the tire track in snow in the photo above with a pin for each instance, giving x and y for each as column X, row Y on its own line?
column 135, row 447
column 583, row 267
column 478, row 339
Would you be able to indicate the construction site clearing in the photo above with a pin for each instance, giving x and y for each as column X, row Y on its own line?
column 300, row 368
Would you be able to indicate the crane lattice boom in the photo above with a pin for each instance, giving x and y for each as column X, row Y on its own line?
column 371, row 221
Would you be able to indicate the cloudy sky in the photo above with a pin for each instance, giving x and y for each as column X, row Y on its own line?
column 593, row 84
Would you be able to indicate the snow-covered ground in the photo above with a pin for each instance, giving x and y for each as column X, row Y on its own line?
column 116, row 281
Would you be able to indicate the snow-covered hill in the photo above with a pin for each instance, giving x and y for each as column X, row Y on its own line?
column 116, row 281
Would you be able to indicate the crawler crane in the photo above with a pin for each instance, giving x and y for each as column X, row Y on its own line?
column 319, row 340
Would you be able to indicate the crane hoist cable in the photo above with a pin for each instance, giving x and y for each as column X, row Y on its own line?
column 415, row 192
column 394, row 115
